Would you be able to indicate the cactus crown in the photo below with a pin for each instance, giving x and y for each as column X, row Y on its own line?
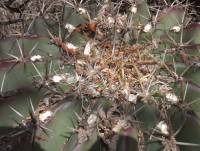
column 110, row 75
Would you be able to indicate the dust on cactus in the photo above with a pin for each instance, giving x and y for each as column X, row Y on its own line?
column 99, row 75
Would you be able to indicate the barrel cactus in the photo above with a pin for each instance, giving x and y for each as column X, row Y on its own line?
column 113, row 75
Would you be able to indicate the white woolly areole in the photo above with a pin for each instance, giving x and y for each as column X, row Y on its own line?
column 45, row 116
column 172, row 98
column 133, row 9
column 71, row 79
column 176, row 29
column 71, row 46
column 147, row 28
column 162, row 126
column 36, row 58
column 111, row 20
column 118, row 127
column 46, row 101
column 82, row 11
column 92, row 119
column 57, row 78
column 81, row 62
column 87, row 49
column 132, row 98
column 126, row 90
column 69, row 27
